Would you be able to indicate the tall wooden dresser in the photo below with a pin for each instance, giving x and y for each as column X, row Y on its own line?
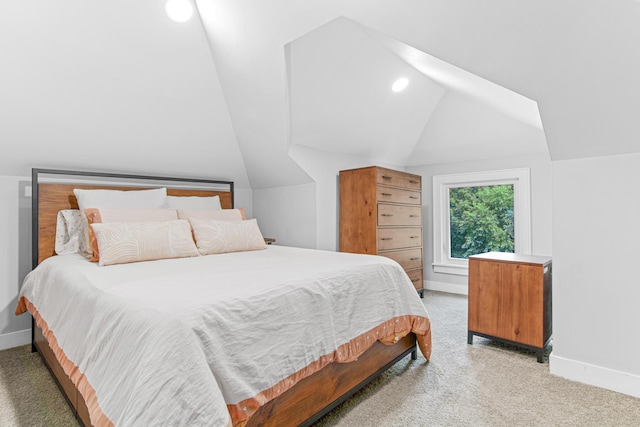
column 381, row 214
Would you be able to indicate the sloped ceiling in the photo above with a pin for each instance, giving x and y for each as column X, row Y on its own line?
column 341, row 98
column 340, row 77
column 576, row 59
column 116, row 86
column 111, row 86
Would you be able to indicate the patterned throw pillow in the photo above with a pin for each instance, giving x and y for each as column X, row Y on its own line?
column 216, row 237
column 125, row 242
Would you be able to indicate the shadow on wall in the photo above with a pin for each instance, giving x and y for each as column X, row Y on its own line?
column 17, row 264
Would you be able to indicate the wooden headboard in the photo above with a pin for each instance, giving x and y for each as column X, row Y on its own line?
column 50, row 197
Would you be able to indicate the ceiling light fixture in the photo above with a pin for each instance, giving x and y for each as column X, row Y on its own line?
column 179, row 10
column 400, row 84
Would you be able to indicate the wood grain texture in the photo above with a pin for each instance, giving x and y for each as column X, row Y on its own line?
column 398, row 179
column 381, row 214
column 416, row 278
column 399, row 215
column 510, row 298
column 316, row 393
column 396, row 195
column 358, row 211
column 409, row 259
column 399, row 238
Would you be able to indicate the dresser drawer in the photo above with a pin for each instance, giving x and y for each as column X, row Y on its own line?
column 416, row 278
column 398, row 179
column 390, row 215
column 409, row 259
column 398, row 195
column 399, row 238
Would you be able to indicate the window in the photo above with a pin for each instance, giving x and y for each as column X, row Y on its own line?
column 479, row 212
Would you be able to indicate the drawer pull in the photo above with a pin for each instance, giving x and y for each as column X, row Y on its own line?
column 387, row 194
column 413, row 197
column 387, row 214
column 414, row 237
column 414, row 259
column 413, row 216
column 411, row 181
column 386, row 177
column 386, row 238
column 415, row 280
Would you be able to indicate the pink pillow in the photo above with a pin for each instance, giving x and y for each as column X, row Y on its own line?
column 213, row 214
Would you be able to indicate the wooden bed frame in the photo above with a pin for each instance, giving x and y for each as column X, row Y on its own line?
column 303, row 404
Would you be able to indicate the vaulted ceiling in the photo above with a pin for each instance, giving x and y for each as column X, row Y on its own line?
column 117, row 86
column 491, row 78
column 341, row 100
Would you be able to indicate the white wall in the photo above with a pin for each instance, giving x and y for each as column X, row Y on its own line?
column 287, row 214
column 596, row 287
column 540, row 167
column 324, row 167
column 243, row 198
column 15, row 258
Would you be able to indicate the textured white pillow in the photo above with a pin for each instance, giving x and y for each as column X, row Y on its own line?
column 94, row 215
column 216, row 237
column 125, row 242
column 121, row 199
column 194, row 202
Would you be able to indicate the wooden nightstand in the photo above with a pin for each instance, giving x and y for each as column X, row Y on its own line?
column 510, row 299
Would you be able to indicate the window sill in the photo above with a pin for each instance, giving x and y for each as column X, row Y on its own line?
column 459, row 270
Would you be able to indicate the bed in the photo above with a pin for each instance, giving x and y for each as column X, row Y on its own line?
column 269, row 336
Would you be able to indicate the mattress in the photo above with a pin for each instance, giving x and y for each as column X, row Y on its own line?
column 208, row 340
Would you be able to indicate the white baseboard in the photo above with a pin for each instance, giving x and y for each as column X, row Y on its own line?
column 15, row 339
column 621, row 382
column 452, row 288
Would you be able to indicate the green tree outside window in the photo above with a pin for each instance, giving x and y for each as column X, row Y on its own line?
column 481, row 220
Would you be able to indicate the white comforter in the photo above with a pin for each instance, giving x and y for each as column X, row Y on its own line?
column 175, row 342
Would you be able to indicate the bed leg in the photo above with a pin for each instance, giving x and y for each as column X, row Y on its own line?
column 33, row 337
column 414, row 354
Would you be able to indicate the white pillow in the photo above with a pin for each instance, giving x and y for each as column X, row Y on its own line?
column 193, row 202
column 121, row 199
column 216, row 237
column 125, row 242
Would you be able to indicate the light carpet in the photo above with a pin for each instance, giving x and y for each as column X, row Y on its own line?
column 485, row 384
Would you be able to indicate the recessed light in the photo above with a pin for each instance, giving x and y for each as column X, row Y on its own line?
column 400, row 84
column 179, row 10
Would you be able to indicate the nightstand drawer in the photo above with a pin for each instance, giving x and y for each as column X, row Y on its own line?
column 409, row 259
column 399, row 238
column 397, row 195
column 390, row 215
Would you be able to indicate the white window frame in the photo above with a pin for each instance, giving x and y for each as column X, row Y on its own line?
column 519, row 178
